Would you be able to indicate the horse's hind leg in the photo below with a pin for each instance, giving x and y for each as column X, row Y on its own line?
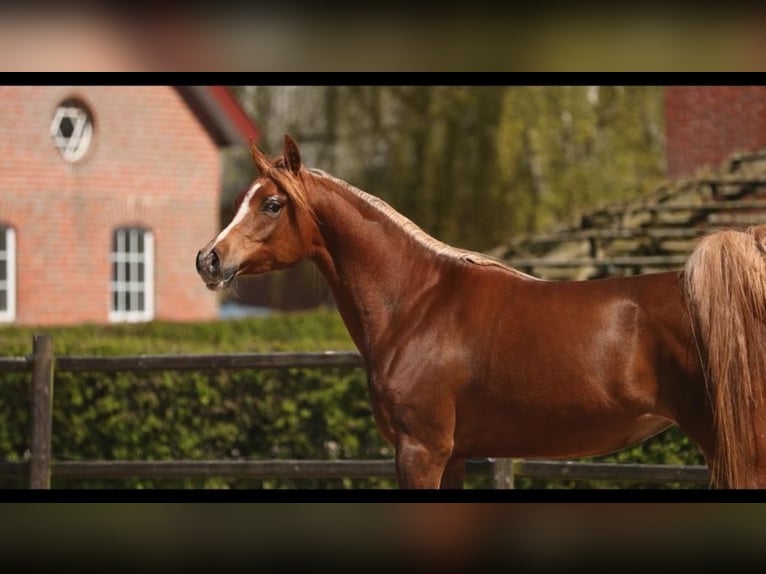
column 454, row 474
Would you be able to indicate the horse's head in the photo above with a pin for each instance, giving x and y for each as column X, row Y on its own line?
column 272, row 227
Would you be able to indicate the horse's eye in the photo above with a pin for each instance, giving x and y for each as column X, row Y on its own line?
column 271, row 206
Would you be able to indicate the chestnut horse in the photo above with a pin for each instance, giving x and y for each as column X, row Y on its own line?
column 467, row 357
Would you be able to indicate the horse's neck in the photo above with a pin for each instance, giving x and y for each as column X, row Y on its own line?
column 374, row 268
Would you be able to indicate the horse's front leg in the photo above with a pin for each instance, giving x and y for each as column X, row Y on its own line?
column 454, row 474
column 419, row 419
column 419, row 465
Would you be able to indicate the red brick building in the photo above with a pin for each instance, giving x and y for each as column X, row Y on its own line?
column 106, row 193
column 706, row 124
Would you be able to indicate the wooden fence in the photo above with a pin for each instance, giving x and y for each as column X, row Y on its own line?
column 39, row 468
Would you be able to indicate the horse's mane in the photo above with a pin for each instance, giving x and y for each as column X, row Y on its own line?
column 415, row 233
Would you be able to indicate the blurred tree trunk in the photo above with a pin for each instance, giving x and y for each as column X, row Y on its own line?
column 327, row 153
column 534, row 163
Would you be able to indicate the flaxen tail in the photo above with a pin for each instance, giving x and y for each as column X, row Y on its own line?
column 725, row 288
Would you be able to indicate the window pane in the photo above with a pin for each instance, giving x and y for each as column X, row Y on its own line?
column 3, row 233
column 130, row 272
column 3, row 300
column 3, row 269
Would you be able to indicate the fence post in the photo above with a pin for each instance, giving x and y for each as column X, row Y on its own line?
column 42, row 412
column 503, row 473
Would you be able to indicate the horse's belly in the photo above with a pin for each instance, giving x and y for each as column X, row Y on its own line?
column 553, row 438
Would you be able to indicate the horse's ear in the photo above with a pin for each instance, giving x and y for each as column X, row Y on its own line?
column 259, row 158
column 292, row 155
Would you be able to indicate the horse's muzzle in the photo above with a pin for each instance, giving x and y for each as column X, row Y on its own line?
column 209, row 268
column 208, row 263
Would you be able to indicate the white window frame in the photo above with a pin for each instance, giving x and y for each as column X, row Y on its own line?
column 74, row 147
column 125, row 288
column 8, row 284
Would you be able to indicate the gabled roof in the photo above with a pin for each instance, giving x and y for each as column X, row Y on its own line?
column 221, row 114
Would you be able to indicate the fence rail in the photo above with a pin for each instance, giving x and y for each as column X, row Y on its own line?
column 40, row 467
column 258, row 469
column 264, row 469
column 142, row 363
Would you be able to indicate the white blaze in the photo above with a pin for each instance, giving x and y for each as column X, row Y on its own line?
column 241, row 213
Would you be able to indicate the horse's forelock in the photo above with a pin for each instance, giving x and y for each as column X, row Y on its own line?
column 294, row 186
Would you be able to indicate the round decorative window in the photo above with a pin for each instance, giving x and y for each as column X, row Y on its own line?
column 72, row 129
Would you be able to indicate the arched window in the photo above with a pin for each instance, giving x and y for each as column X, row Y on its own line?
column 7, row 274
column 131, row 296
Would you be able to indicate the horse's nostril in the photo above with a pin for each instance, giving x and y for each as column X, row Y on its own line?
column 214, row 262
column 208, row 263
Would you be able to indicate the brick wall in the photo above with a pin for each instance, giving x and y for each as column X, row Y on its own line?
column 706, row 124
column 150, row 163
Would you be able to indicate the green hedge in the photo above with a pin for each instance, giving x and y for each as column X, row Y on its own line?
column 228, row 414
